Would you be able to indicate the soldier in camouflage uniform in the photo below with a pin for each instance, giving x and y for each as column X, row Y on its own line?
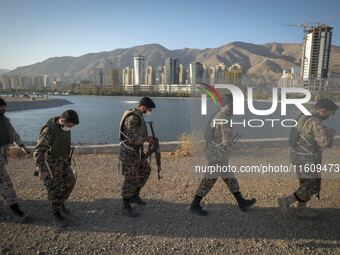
column 312, row 139
column 135, row 167
column 219, row 143
column 8, row 135
column 52, row 157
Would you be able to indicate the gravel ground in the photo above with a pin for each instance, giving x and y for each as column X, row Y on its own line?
column 165, row 225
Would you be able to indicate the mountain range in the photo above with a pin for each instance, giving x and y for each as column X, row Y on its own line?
column 3, row 71
column 265, row 60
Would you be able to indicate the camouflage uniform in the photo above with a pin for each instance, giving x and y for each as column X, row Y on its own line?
column 6, row 187
column 217, row 153
column 314, row 137
column 135, row 168
column 59, row 188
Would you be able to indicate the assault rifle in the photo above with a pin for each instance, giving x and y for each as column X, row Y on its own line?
column 236, row 137
column 154, row 148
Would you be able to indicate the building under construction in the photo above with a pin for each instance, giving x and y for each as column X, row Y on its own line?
column 315, row 58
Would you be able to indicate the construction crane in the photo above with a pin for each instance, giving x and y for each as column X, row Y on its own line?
column 308, row 24
column 110, row 70
column 139, row 55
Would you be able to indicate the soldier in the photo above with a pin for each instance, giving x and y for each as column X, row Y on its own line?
column 312, row 138
column 135, row 168
column 52, row 157
column 8, row 135
column 219, row 143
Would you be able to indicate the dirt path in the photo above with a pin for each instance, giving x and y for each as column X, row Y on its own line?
column 165, row 225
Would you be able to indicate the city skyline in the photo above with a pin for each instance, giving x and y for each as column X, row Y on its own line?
column 37, row 30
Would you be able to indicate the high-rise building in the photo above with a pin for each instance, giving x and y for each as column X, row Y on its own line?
column 234, row 75
column 128, row 76
column 139, row 64
column 172, row 70
column 195, row 72
column 315, row 57
column 114, row 77
column 150, row 78
column 220, row 72
column 205, row 74
column 183, row 75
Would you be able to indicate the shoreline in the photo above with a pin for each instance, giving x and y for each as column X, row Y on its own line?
column 173, row 146
column 35, row 104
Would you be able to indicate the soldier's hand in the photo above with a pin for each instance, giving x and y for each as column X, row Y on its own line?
column 149, row 139
column 43, row 175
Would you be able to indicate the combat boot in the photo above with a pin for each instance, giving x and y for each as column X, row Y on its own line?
column 136, row 198
column 196, row 208
column 303, row 212
column 284, row 203
column 243, row 203
column 18, row 215
column 59, row 220
column 65, row 210
column 127, row 210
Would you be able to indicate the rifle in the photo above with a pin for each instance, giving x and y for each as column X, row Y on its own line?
column 236, row 137
column 155, row 149
column 70, row 155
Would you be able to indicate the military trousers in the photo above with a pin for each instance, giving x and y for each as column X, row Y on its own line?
column 209, row 181
column 60, row 187
column 136, row 172
column 310, row 183
column 6, row 187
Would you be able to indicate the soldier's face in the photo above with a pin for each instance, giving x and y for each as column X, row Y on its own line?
column 145, row 110
column 324, row 114
column 66, row 124
column 2, row 109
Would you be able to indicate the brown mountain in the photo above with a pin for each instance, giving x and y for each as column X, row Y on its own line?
column 266, row 60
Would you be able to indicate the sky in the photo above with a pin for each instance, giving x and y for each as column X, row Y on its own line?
column 35, row 30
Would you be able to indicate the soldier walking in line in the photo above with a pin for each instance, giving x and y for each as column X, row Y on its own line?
column 307, row 145
column 219, row 143
column 8, row 135
column 135, row 167
column 52, row 155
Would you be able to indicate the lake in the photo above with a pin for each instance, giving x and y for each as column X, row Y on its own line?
column 100, row 117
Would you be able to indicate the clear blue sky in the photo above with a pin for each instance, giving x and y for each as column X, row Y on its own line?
column 34, row 30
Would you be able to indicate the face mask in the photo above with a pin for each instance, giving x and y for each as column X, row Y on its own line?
column 147, row 114
column 324, row 117
column 66, row 128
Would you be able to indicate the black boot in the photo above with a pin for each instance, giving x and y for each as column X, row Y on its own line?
column 196, row 208
column 19, row 216
column 136, row 198
column 65, row 210
column 243, row 203
column 127, row 210
column 59, row 220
